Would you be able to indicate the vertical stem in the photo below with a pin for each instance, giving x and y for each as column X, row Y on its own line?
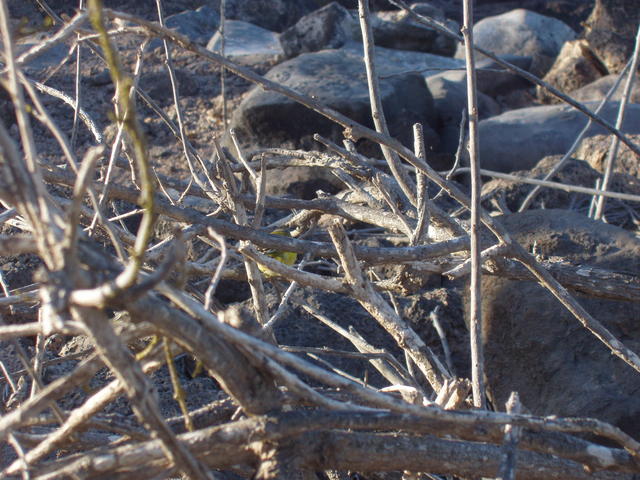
column 127, row 114
column 76, row 111
column 475, row 324
column 401, row 176
column 420, row 234
column 615, row 141
column 223, row 88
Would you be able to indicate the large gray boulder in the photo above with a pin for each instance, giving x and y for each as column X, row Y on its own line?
column 396, row 29
column 449, row 92
column 275, row 15
column 523, row 33
column 331, row 26
column 518, row 139
column 596, row 91
column 571, row 12
column 337, row 79
column 534, row 346
column 247, row 43
column 353, row 4
column 197, row 25
column 494, row 80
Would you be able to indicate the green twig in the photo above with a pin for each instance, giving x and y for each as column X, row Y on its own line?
column 126, row 113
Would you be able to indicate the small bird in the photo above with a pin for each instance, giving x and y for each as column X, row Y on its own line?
column 288, row 258
column 27, row 26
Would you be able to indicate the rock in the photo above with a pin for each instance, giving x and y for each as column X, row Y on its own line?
column 390, row 61
column 333, row 26
column 597, row 90
column 158, row 84
column 518, row 139
column 575, row 67
column 511, row 194
column 594, row 151
column 328, row 27
column 493, row 83
column 449, row 92
column 197, row 25
column 353, row 4
column 524, row 33
column 247, row 43
column 494, row 80
column 534, row 346
column 396, row 29
column 611, row 31
column 302, row 182
column 571, row 12
column 337, row 79
column 274, row 15
column 516, row 99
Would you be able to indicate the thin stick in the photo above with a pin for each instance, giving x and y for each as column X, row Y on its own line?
column 557, row 185
column 117, row 142
column 511, row 439
column 462, row 137
column 615, row 141
column 261, row 192
column 475, row 324
column 178, row 392
column 254, row 277
column 435, row 320
column 406, row 184
column 83, row 115
column 127, row 109
column 83, row 182
column 402, row 333
column 395, row 375
column 78, row 87
column 219, row 269
column 420, row 234
column 241, row 156
column 223, row 71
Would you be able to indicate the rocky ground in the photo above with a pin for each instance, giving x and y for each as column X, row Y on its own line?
column 533, row 344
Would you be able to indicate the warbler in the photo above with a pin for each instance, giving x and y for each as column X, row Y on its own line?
column 27, row 26
column 288, row 258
